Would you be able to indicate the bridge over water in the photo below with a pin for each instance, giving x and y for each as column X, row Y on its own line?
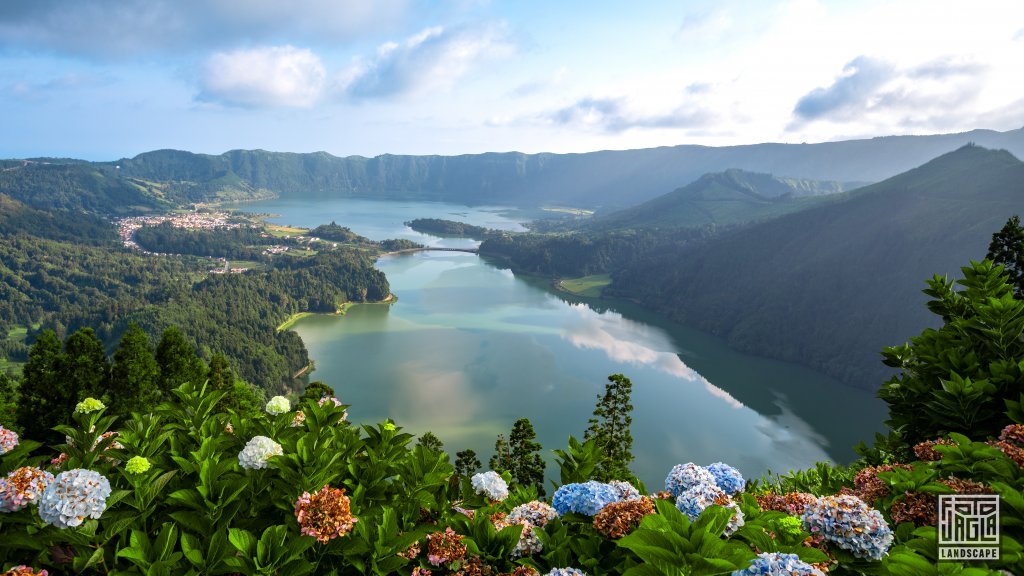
column 433, row 249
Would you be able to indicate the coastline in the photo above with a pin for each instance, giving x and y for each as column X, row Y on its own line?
column 340, row 311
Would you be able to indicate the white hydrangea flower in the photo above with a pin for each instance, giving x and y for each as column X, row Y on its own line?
column 257, row 451
column 491, row 485
column 74, row 496
column 278, row 405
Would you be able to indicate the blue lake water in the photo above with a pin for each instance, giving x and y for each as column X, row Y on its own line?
column 468, row 348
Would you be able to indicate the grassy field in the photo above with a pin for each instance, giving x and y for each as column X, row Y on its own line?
column 567, row 210
column 589, row 286
column 282, row 231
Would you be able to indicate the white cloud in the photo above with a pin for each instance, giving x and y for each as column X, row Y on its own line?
column 276, row 76
column 433, row 59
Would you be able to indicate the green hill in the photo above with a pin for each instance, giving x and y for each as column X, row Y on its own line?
column 831, row 285
column 730, row 197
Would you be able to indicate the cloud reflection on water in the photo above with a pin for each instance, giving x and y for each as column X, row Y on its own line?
column 629, row 342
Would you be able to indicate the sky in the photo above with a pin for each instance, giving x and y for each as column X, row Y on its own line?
column 108, row 79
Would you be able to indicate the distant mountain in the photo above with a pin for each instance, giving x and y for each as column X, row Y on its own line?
column 78, row 186
column 596, row 179
column 831, row 285
column 723, row 198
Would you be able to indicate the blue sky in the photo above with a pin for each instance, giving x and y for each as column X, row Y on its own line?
column 105, row 79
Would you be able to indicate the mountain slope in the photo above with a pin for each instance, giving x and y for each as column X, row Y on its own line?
column 608, row 178
column 730, row 197
column 831, row 285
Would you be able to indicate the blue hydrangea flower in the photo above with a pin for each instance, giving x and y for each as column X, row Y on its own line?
column 566, row 572
column 257, row 451
column 74, row 496
column 695, row 500
column 625, row 490
column 849, row 523
column 727, row 478
column 685, row 476
column 490, row 484
column 778, row 564
column 587, row 498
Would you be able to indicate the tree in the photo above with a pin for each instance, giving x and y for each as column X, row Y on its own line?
column 610, row 428
column 178, row 362
column 501, row 461
column 46, row 399
column 9, row 403
column 84, row 365
column 1007, row 249
column 963, row 376
column 466, row 462
column 431, row 442
column 133, row 377
column 316, row 390
column 527, row 463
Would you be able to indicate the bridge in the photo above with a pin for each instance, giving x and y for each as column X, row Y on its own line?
column 433, row 249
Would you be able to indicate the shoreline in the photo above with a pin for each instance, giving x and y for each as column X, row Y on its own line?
column 340, row 311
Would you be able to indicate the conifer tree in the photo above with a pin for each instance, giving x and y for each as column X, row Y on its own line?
column 610, row 428
column 501, row 461
column 527, row 463
column 178, row 362
column 316, row 390
column 84, row 365
column 9, row 403
column 430, row 441
column 133, row 377
column 1007, row 249
column 466, row 462
column 46, row 399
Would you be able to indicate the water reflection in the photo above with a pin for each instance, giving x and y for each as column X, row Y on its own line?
column 628, row 342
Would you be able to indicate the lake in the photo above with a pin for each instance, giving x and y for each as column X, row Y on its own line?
column 468, row 348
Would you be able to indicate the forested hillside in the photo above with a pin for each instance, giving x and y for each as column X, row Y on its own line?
column 596, row 179
column 832, row 285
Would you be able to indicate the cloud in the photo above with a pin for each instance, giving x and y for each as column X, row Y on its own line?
column 432, row 59
column 615, row 114
column 67, row 82
column 276, row 76
column 933, row 94
column 704, row 25
column 117, row 29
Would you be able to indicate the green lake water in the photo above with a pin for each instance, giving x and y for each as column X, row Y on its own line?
column 468, row 348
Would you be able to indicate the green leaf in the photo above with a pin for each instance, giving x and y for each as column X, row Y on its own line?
column 192, row 548
column 242, row 540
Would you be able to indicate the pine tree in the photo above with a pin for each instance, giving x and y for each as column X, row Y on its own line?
column 178, row 362
column 527, row 463
column 316, row 390
column 9, row 403
column 84, row 365
column 431, row 442
column 1007, row 249
column 610, row 428
column 466, row 462
column 46, row 399
column 501, row 461
column 133, row 377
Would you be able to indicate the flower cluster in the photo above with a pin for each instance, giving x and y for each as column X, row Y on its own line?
column 792, row 503
column 778, row 563
column 299, row 419
column 620, row 518
column 536, row 512
column 445, row 547
column 59, row 461
column 727, row 478
column 73, row 496
column 325, row 514
column 851, row 524
column 278, row 405
column 685, row 476
column 25, row 571
column 1011, row 443
column 962, row 486
column 8, row 440
column 137, row 465
column 528, row 544
column 490, row 484
column 566, row 572
column 917, row 507
column 625, row 490
column 869, row 487
column 89, row 405
column 587, row 498
column 257, row 451
column 337, row 404
column 926, row 451
column 695, row 500
column 23, row 487
column 411, row 552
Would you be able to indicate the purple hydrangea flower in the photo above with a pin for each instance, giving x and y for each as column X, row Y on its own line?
column 566, row 572
column 625, row 490
column 849, row 523
column 695, row 500
column 74, row 496
column 22, row 487
column 536, row 512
